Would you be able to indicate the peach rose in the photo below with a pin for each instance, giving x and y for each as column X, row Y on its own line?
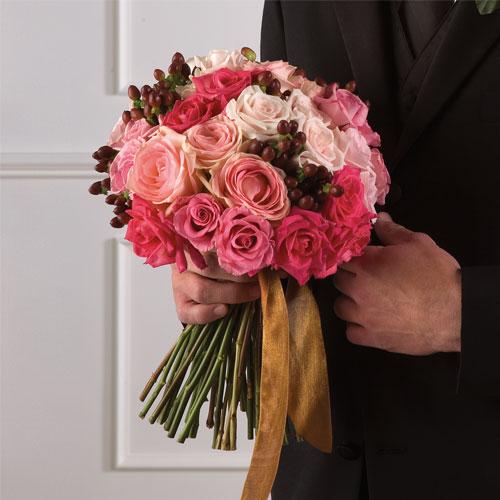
column 257, row 114
column 121, row 133
column 162, row 169
column 213, row 141
column 247, row 180
column 283, row 72
column 324, row 146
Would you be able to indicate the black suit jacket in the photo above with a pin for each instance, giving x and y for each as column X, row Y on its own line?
column 426, row 427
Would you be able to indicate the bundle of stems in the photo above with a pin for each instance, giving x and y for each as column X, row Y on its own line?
column 218, row 362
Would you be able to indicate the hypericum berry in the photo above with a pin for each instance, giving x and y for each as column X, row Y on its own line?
column 148, row 111
column 268, row 154
column 284, row 145
column 116, row 223
column 295, row 145
column 350, row 86
column 264, row 78
column 95, row 188
column 310, row 170
column 106, row 183
column 300, row 136
column 255, row 147
column 336, row 190
column 185, row 70
column 145, row 90
column 124, row 217
column 283, row 127
column 120, row 200
column 159, row 74
column 111, row 198
column 174, row 68
column 274, row 87
column 119, row 209
column 323, row 172
column 126, row 117
column 178, row 58
column 295, row 194
column 315, row 207
column 106, row 152
column 286, row 94
column 321, row 196
column 101, row 167
column 294, row 126
column 306, row 202
column 137, row 114
column 249, row 54
column 133, row 92
column 291, row 182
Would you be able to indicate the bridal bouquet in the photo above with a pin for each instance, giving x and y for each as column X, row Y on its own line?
column 276, row 175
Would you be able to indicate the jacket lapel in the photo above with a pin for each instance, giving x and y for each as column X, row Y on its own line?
column 469, row 37
column 366, row 31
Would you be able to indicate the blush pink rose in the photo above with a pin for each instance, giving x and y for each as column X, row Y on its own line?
column 383, row 180
column 196, row 219
column 121, row 133
column 162, row 170
column 302, row 245
column 244, row 242
column 343, row 107
column 283, row 72
column 213, row 141
column 153, row 236
column 347, row 208
column 247, row 180
column 223, row 83
column 191, row 111
column 122, row 163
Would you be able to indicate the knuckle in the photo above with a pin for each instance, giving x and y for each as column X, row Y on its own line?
column 422, row 238
column 200, row 292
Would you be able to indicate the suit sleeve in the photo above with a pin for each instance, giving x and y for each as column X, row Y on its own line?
column 272, row 36
column 479, row 371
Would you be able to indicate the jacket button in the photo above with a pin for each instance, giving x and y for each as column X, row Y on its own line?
column 348, row 451
column 394, row 195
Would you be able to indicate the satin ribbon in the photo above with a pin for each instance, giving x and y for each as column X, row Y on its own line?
column 294, row 380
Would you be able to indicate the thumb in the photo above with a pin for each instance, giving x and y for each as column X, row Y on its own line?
column 390, row 233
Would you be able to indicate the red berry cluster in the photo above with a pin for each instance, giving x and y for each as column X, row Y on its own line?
column 308, row 186
column 105, row 155
column 150, row 102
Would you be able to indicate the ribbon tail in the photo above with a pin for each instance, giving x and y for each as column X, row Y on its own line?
column 308, row 394
column 274, row 385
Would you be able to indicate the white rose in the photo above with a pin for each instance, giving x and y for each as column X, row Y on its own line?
column 304, row 108
column 324, row 146
column 217, row 59
column 258, row 114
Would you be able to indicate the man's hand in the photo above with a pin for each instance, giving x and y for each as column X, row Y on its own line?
column 202, row 296
column 402, row 297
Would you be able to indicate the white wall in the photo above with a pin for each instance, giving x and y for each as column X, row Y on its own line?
column 83, row 322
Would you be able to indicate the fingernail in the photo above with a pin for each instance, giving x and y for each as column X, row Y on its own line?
column 220, row 310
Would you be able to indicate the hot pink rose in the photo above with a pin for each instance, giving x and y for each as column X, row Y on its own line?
column 244, row 242
column 350, row 241
column 121, row 133
column 350, row 206
column 213, row 141
column 246, row 180
column 122, row 163
column 343, row 107
column 153, row 236
column 302, row 247
column 191, row 111
column 383, row 181
column 222, row 83
column 162, row 170
column 196, row 218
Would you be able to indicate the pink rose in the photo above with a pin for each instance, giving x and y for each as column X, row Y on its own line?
column 213, row 141
column 162, row 170
column 383, row 181
column 191, row 111
column 244, row 242
column 371, row 137
column 283, row 72
column 350, row 241
column 196, row 218
column 121, row 133
column 153, row 236
column 358, row 152
column 223, row 83
column 122, row 163
column 343, row 107
column 347, row 208
column 247, row 180
column 302, row 246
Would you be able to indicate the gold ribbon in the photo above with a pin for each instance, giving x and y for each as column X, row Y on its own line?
column 294, row 380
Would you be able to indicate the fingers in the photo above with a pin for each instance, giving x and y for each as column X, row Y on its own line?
column 346, row 309
column 390, row 233
column 356, row 334
column 214, row 271
column 201, row 300
column 344, row 282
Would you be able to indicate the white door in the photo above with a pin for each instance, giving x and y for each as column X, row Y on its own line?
column 83, row 322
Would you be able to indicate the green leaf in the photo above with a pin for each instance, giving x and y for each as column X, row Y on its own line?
column 487, row 6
